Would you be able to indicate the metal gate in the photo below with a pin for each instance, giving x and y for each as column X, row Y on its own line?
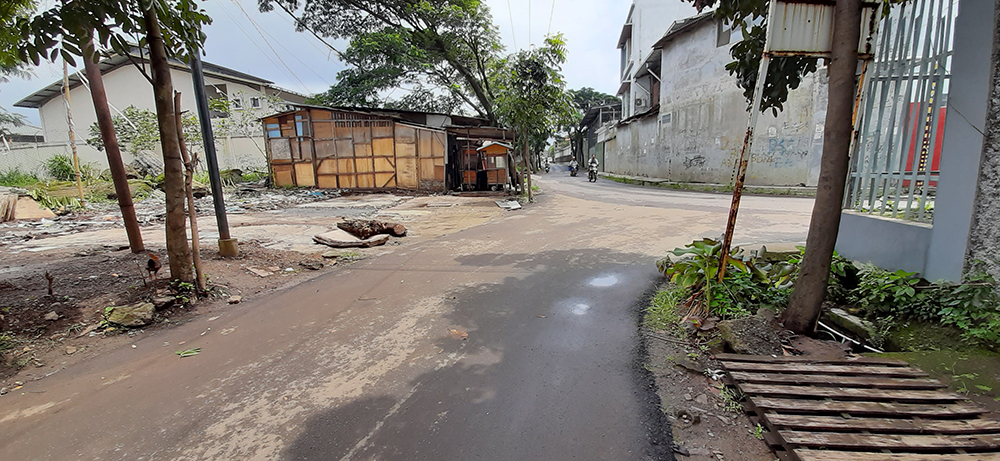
column 897, row 150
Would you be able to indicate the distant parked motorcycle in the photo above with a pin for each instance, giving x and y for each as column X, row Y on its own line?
column 592, row 174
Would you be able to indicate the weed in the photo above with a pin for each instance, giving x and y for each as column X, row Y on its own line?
column 731, row 398
column 758, row 432
column 662, row 311
column 7, row 342
column 16, row 178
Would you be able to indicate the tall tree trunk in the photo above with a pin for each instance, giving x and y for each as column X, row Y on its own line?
column 173, row 166
column 189, row 194
column 527, row 171
column 810, row 288
column 110, row 141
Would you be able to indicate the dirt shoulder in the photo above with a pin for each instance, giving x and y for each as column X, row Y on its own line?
column 91, row 268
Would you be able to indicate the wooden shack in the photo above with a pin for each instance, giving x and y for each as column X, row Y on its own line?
column 494, row 158
column 352, row 149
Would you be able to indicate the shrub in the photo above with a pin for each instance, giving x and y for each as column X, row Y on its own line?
column 14, row 177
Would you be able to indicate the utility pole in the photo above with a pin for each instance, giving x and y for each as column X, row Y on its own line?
column 810, row 288
column 110, row 141
column 72, row 135
column 227, row 244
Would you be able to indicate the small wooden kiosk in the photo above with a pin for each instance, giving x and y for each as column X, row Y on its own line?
column 494, row 158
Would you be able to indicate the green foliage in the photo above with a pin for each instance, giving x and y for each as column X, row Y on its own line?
column 137, row 132
column 60, row 167
column 14, row 177
column 748, row 285
column 65, row 29
column 973, row 307
column 662, row 313
column 54, row 202
column 448, row 45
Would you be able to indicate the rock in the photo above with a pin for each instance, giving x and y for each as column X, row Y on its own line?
column 52, row 316
column 70, row 350
column 338, row 238
column 331, row 254
column 751, row 335
column 313, row 266
column 234, row 299
column 135, row 315
column 702, row 399
column 163, row 302
column 860, row 327
column 260, row 272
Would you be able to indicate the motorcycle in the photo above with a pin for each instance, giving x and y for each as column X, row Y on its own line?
column 546, row 167
column 572, row 170
column 592, row 174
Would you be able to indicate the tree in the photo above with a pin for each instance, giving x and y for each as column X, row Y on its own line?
column 447, row 44
column 239, row 120
column 168, row 28
column 137, row 133
column 785, row 73
column 584, row 99
column 531, row 95
column 10, row 65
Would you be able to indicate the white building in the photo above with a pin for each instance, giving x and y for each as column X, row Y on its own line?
column 643, row 27
column 126, row 86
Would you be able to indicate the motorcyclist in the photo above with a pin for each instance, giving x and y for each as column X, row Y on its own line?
column 592, row 164
column 573, row 165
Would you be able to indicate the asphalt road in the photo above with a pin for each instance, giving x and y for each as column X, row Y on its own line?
column 363, row 363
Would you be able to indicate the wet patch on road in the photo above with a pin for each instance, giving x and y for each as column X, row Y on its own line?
column 552, row 368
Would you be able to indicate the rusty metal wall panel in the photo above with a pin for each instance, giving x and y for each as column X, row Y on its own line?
column 807, row 28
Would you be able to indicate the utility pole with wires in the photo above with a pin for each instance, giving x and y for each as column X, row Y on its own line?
column 72, row 134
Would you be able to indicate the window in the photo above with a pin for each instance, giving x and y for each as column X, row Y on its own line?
column 255, row 102
column 273, row 130
column 725, row 32
column 237, row 103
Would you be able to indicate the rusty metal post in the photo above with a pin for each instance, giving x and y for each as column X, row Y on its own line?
column 741, row 173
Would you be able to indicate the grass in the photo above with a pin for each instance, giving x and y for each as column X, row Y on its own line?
column 662, row 311
column 717, row 188
column 14, row 177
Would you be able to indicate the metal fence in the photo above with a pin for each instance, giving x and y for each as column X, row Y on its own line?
column 895, row 157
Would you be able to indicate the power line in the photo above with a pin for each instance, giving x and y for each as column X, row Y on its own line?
column 254, row 24
column 512, row 34
column 247, row 34
column 290, row 53
column 529, row 24
column 551, row 13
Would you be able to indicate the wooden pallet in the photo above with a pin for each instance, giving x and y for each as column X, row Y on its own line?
column 859, row 409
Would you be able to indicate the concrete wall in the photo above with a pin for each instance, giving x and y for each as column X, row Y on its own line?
column 648, row 25
column 235, row 152
column 698, row 134
column 125, row 87
column 888, row 243
column 984, row 236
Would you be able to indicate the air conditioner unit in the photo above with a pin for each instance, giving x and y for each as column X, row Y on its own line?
column 638, row 102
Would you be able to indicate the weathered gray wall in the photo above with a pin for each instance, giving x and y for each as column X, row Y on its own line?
column 963, row 148
column 698, row 133
column 888, row 243
column 984, row 236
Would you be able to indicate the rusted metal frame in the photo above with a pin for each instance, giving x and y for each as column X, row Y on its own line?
column 861, row 157
column 892, row 84
column 744, row 160
column 941, row 76
column 897, row 112
column 921, row 88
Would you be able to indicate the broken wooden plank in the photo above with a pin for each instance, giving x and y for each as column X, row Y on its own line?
column 810, row 359
column 848, row 393
column 867, row 408
column 890, row 441
column 838, row 423
column 824, row 455
column 341, row 239
column 827, row 380
column 821, row 369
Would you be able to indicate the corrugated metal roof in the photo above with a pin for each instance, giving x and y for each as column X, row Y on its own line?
column 681, row 25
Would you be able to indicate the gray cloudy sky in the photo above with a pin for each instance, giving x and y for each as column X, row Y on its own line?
column 266, row 44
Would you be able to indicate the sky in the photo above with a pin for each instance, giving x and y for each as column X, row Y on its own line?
column 266, row 44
